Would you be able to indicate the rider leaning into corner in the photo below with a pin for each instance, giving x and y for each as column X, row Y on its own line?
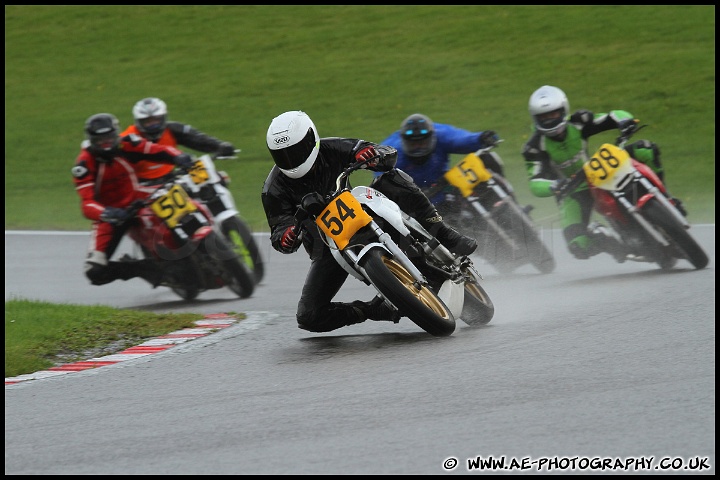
column 151, row 123
column 558, row 148
column 106, row 182
column 305, row 163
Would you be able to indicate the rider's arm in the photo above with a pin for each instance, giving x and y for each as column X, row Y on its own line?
column 388, row 155
column 540, row 174
column 190, row 137
column 83, row 173
column 593, row 124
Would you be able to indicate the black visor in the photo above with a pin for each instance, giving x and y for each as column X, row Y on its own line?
column 552, row 119
column 295, row 155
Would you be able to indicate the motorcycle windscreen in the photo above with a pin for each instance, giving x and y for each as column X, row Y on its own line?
column 467, row 174
column 342, row 218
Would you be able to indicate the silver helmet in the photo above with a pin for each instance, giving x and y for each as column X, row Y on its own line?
column 150, row 116
column 549, row 109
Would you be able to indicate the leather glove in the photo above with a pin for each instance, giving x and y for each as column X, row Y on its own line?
column 290, row 240
column 226, row 149
column 489, row 138
column 366, row 153
column 627, row 126
column 184, row 161
column 114, row 215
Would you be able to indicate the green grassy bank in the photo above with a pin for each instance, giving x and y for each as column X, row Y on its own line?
column 358, row 71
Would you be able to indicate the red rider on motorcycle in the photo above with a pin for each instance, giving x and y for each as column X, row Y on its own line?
column 106, row 182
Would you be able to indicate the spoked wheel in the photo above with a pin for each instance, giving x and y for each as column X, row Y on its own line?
column 417, row 302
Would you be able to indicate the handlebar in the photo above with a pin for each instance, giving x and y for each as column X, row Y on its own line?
column 313, row 203
column 622, row 139
column 489, row 147
column 215, row 156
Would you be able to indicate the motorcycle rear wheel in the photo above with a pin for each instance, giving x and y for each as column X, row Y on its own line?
column 676, row 233
column 419, row 303
column 244, row 244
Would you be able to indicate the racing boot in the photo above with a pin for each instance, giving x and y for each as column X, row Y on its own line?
column 145, row 269
column 602, row 240
column 450, row 238
column 376, row 309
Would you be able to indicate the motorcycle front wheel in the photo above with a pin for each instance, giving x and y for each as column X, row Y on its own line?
column 244, row 244
column 417, row 302
column 236, row 275
column 676, row 233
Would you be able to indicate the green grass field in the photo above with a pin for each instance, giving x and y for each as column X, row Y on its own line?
column 358, row 71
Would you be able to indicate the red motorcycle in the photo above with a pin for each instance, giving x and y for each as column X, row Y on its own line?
column 636, row 204
column 176, row 232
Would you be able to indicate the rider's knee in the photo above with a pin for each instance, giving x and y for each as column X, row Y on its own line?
column 309, row 320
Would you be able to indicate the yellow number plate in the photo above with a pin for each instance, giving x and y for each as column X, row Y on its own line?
column 342, row 218
column 608, row 162
column 198, row 173
column 173, row 206
column 467, row 174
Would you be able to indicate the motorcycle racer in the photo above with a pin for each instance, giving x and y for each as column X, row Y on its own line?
column 558, row 147
column 106, row 182
column 151, row 123
column 424, row 148
column 305, row 163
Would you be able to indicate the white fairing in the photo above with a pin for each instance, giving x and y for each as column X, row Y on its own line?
column 382, row 206
column 222, row 192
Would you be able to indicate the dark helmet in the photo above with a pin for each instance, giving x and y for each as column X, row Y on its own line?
column 418, row 137
column 103, row 133
column 150, row 116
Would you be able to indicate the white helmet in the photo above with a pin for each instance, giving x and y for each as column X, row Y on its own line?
column 549, row 108
column 150, row 117
column 293, row 142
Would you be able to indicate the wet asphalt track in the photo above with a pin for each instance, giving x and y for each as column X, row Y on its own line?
column 597, row 360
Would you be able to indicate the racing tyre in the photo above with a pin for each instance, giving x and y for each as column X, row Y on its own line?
column 417, row 302
column 244, row 244
column 676, row 233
